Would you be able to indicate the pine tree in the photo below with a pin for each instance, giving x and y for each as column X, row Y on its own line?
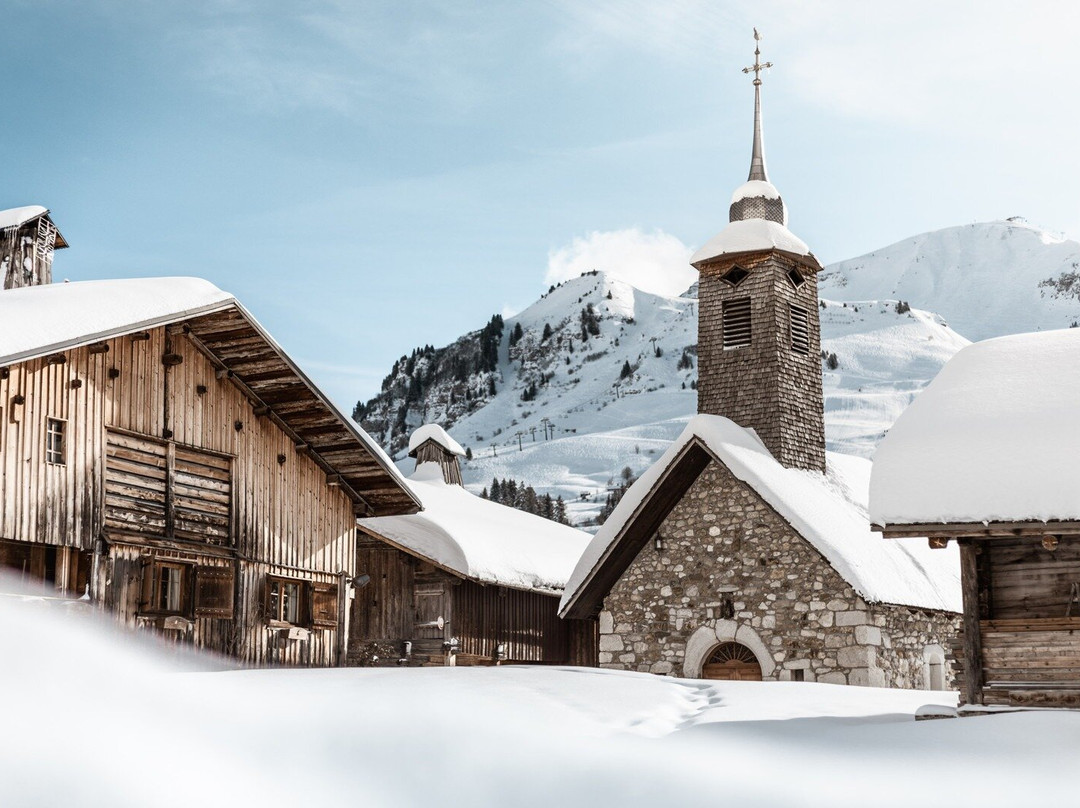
column 547, row 332
column 626, row 371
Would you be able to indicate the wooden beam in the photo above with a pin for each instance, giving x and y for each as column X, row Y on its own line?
column 972, row 629
column 976, row 530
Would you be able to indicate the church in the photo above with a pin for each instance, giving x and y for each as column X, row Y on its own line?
column 746, row 552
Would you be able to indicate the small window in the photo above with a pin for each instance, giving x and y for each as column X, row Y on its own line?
column 796, row 278
column 284, row 600
column 798, row 675
column 736, row 323
column 166, row 587
column 54, row 441
column 735, row 276
column 169, row 588
column 800, row 330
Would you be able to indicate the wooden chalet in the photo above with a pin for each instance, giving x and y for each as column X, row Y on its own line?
column 161, row 456
column 28, row 239
column 466, row 581
column 986, row 457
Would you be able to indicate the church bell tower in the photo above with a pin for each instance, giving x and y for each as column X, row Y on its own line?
column 759, row 338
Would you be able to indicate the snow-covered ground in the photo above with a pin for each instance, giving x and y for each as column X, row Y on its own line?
column 92, row 719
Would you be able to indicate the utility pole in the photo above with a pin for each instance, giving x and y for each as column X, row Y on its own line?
column 519, row 435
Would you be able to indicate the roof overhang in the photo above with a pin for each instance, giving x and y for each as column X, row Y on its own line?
column 807, row 261
column 975, row 530
column 245, row 353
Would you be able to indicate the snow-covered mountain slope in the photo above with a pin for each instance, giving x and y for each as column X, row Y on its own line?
column 613, row 382
column 986, row 280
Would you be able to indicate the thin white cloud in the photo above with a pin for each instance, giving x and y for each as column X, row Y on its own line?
column 655, row 262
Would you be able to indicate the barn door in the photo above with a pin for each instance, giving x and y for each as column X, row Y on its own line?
column 431, row 612
column 732, row 662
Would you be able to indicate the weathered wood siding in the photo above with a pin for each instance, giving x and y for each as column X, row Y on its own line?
column 407, row 596
column 1021, row 645
column 525, row 624
column 282, row 516
column 431, row 452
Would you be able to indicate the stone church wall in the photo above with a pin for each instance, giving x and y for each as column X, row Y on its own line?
column 731, row 568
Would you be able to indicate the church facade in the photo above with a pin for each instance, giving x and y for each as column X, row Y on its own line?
column 743, row 553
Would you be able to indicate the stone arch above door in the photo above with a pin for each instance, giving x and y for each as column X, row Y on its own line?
column 707, row 637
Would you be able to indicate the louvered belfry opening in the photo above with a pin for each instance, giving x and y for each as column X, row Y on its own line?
column 800, row 329
column 736, row 323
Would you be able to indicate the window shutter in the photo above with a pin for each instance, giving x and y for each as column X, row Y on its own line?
column 800, row 330
column 736, row 322
column 214, row 590
column 146, row 583
column 324, row 605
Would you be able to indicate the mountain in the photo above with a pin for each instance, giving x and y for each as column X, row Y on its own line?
column 986, row 280
column 607, row 374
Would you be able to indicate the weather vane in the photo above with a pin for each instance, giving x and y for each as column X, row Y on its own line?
column 757, row 66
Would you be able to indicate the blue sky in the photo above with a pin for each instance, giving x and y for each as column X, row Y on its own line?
column 371, row 176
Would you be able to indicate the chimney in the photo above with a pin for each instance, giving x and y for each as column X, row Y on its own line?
column 431, row 444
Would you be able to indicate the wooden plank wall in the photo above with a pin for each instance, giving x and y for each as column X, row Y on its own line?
column 527, row 624
column 1027, row 580
column 1029, row 648
column 384, row 610
column 286, row 520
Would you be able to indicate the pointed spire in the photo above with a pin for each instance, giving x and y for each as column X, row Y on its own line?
column 757, row 157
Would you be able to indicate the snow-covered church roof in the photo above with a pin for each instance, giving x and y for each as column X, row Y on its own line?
column 436, row 433
column 994, row 437
column 828, row 510
column 749, row 236
column 479, row 539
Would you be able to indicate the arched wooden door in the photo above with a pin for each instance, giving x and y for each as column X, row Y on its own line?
column 732, row 662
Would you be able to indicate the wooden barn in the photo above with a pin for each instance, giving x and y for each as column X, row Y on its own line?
column 28, row 239
column 163, row 457
column 986, row 457
column 466, row 581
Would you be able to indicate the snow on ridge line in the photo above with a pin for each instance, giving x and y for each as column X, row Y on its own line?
column 994, row 437
column 828, row 510
column 480, row 539
column 40, row 319
column 15, row 217
column 436, row 433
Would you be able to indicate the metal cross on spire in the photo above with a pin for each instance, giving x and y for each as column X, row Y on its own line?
column 757, row 158
column 757, row 67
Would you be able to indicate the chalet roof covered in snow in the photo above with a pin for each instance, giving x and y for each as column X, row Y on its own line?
column 828, row 510
column 36, row 321
column 479, row 539
column 435, row 433
column 17, row 217
column 750, row 236
column 994, row 437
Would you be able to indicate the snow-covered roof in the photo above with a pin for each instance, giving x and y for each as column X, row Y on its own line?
column 436, row 433
column 36, row 321
column 755, row 188
column 828, row 510
column 994, row 437
column 480, row 539
column 39, row 320
column 14, row 217
column 751, row 235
